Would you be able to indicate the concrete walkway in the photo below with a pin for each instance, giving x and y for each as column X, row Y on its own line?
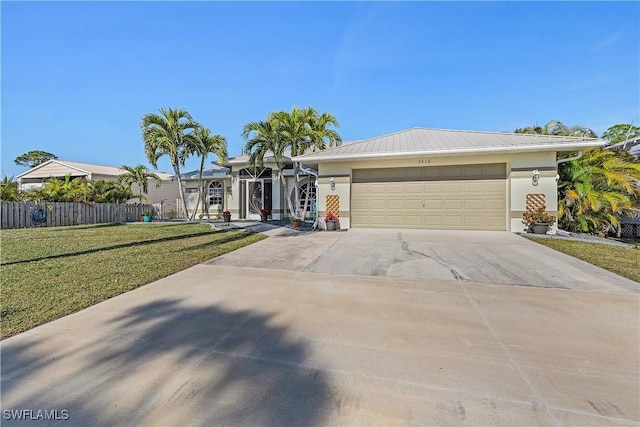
column 270, row 343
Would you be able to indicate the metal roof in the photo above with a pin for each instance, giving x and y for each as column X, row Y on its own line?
column 631, row 145
column 215, row 171
column 421, row 141
column 87, row 169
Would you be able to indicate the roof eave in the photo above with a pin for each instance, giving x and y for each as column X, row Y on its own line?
column 462, row 151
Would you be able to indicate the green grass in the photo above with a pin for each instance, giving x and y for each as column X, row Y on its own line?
column 50, row 272
column 617, row 259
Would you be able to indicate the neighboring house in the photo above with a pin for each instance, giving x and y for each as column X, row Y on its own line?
column 37, row 176
column 441, row 179
column 631, row 145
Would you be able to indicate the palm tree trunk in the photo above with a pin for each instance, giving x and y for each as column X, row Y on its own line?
column 296, row 180
column 176, row 170
column 200, row 190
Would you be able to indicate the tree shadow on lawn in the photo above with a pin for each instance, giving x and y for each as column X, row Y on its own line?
column 171, row 364
column 130, row 245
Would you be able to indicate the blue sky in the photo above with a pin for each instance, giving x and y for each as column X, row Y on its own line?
column 77, row 77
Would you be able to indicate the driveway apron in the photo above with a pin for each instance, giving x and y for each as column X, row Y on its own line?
column 361, row 327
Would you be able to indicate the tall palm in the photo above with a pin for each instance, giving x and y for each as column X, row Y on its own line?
column 264, row 138
column 320, row 137
column 298, row 131
column 204, row 144
column 139, row 175
column 169, row 133
column 596, row 188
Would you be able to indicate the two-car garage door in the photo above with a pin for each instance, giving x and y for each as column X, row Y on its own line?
column 469, row 197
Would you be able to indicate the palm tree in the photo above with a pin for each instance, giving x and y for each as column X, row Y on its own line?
column 139, row 175
column 595, row 189
column 206, row 144
column 169, row 133
column 302, row 130
column 264, row 138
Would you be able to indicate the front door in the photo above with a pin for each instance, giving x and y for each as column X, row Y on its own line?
column 255, row 198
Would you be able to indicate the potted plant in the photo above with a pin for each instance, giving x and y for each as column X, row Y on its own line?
column 296, row 222
column 264, row 214
column 538, row 220
column 331, row 220
column 146, row 215
column 227, row 216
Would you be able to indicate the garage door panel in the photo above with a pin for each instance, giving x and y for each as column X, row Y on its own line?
column 414, row 204
column 377, row 204
column 414, row 220
column 453, row 220
column 377, row 189
column 414, row 187
column 494, row 204
column 473, row 204
column 494, row 187
column 459, row 197
column 454, row 187
column 454, row 204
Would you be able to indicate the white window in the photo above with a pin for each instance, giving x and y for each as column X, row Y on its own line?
column 215, row 193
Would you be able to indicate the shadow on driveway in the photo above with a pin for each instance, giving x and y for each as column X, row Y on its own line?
column 165, row 364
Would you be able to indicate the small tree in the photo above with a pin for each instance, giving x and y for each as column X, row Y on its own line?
column 139, row 175
column 34, row 158
column 620, row 132
column 9, row 190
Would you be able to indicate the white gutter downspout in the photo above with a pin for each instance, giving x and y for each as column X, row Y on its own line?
column 567, row 159
column 314, row 173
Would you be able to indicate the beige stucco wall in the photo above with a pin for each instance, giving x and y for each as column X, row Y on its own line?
column 520, row 168
column 192, row 197
column 166, row 194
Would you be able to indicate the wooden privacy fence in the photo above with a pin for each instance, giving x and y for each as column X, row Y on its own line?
column 55, row 214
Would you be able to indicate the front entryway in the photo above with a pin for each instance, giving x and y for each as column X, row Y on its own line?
column 258, row 196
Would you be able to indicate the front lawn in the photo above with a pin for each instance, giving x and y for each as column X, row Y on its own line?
column 617, row 259
column 50, row 272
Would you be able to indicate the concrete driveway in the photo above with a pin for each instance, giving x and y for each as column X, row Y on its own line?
column 353, row 328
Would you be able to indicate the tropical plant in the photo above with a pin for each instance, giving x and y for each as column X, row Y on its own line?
column 204, row 144
column 620, row 132
column 595, row 189
column 33, row 158
column 9, row 190
column 264, row 138
column 65, row 190
column 169, row 133
column 102, row 191
column 139, row 175
column 297, row 131
column 556, row 127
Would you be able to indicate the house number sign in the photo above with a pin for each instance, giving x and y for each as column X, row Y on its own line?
column 424, row 161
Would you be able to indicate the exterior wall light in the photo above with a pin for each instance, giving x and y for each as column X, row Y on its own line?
column 535, row 177
column 332, row 183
